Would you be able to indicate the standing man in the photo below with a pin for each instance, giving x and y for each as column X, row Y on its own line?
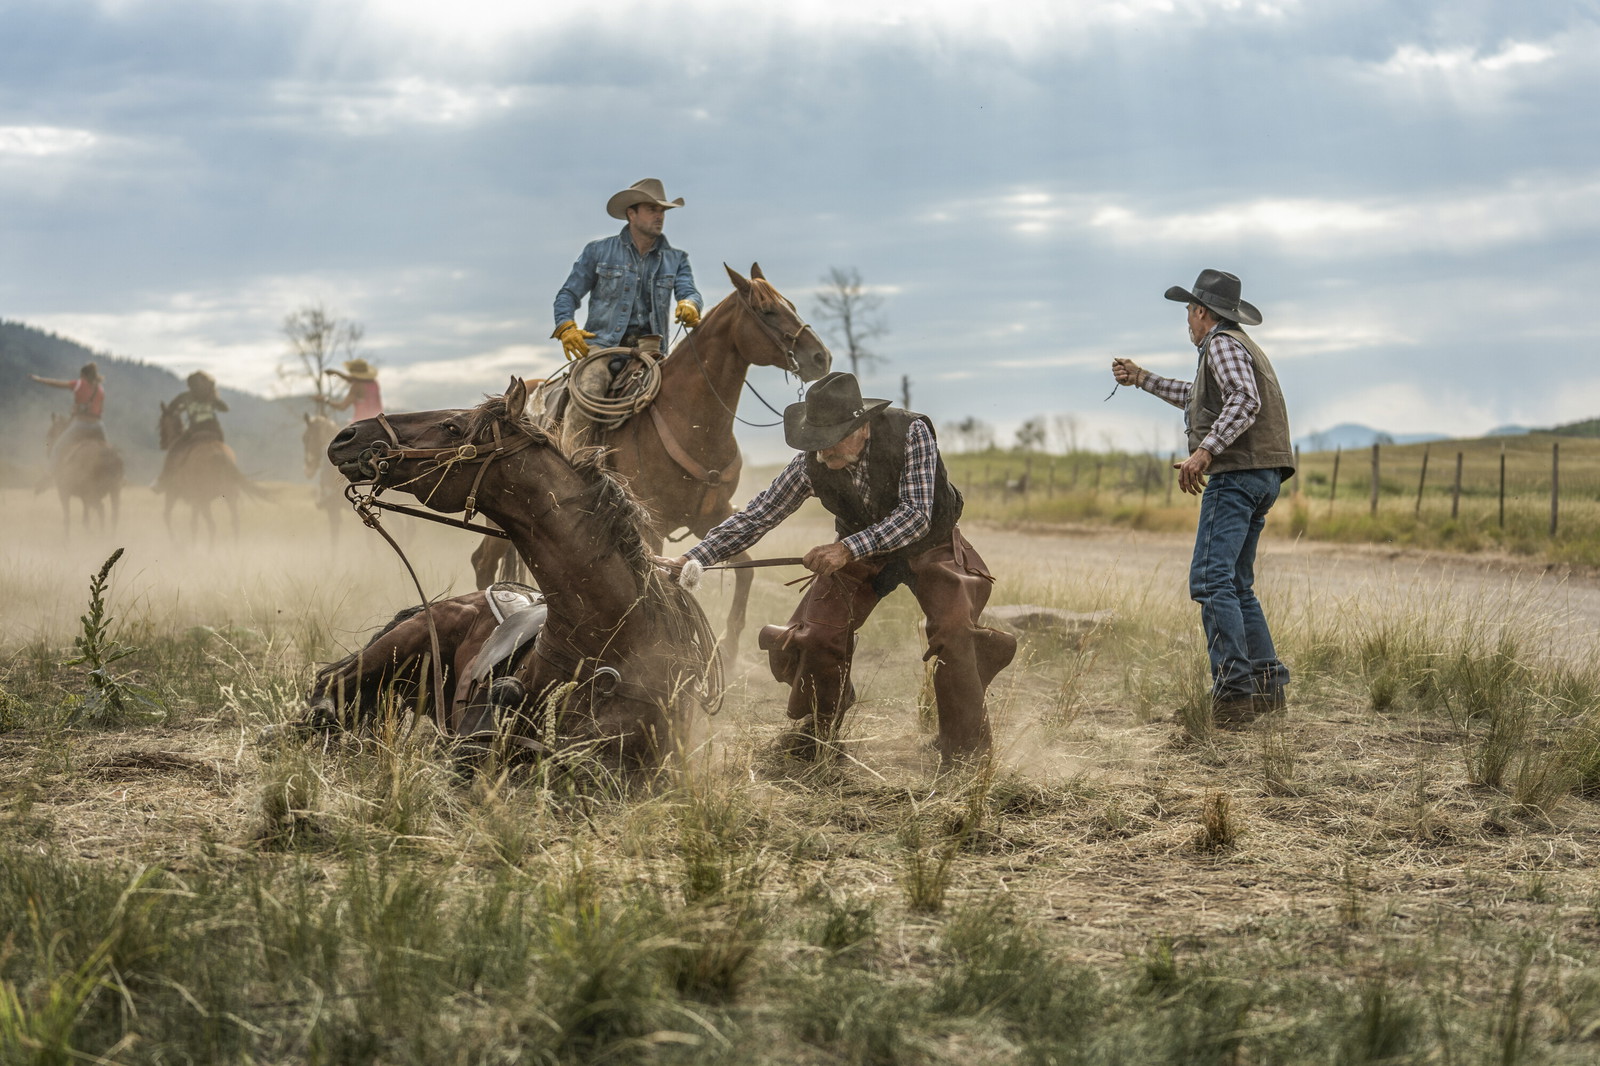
column 877, row 470
column 634, row 277
column 1238, row 430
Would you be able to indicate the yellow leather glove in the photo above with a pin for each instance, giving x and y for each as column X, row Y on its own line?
column 688, row 313
column 572, row 339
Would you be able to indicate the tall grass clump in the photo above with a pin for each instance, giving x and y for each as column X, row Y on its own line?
column 112, row 698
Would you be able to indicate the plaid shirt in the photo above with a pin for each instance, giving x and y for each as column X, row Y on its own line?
column 908, row 522
column 1235, row 373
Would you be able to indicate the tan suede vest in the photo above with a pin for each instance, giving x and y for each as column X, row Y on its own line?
column 1266, row 443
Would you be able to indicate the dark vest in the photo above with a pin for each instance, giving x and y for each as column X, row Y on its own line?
column 1266, row 443
column 886, row 461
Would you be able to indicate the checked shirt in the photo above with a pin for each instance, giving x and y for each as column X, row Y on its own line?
column 1235, row 373
column 908, row 522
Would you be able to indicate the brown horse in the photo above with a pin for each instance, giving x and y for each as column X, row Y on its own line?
column 320, row 429
column 86, row 467
column 624, row 655
column 701, row 382
column 206, row 471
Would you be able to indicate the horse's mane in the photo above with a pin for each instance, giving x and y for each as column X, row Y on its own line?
column 623, row 522
column 763, row 295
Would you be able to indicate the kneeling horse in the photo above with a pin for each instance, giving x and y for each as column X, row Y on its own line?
column 622, row 655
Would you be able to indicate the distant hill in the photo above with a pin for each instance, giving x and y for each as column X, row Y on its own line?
column 265, row 433
column 1511, row 431
column 1589, row 427
column 1350, row 435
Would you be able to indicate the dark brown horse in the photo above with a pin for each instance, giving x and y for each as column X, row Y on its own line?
column 86, row 467
column 624, row 655
column 314, row 439
column 701, row 383
column 206, row 471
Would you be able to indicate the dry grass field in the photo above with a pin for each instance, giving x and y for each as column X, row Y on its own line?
column 1401, row 870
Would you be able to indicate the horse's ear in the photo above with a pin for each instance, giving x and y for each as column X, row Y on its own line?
column 755, row 272
column 739, row 282
column 307, row 416
column 516, row 397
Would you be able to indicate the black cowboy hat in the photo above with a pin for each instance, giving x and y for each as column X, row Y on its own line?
column 1218, row 291
column 832, row 410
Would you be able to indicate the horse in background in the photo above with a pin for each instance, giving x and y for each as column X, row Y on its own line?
column 679, row 457
column 319, row 432
column 206, row 471
column 87, row 467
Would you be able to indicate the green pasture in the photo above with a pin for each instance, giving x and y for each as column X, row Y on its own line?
column 1140, row 492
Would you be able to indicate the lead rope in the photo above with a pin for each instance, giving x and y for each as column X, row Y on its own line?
column 369, row 518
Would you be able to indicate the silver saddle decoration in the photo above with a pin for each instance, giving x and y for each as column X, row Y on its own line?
column 521, row 612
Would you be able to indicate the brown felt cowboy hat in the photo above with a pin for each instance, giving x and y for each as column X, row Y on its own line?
column 1218, row 292
column 832, row 410
column 643, row 191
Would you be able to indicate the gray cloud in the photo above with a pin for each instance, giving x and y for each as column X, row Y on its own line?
column 1410, row 190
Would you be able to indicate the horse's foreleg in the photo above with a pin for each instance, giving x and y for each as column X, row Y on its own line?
column 66, row 513
column 742, row 580
column 486, row 560
column 233, row 512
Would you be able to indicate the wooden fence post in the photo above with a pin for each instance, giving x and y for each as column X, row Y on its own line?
column 1098, row 462
column 1502, row 486
column 1421, row 481
column 1555, row 485
column 1374, row 479
column 1299, row 480
column 1050, row 481
column 1172, row 475
column 1333, row 487
column 1455, row 491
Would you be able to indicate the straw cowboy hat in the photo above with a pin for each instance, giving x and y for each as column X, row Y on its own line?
column 1218, row 291
column 355, row 370
column 832, row 410
column 643, row 191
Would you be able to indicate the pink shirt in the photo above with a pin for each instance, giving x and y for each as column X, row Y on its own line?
column 90, row 396
column 366, row 400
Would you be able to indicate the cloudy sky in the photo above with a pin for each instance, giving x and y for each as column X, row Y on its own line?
column 1410, row 190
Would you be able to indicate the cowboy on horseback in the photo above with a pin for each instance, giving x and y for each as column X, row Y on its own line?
column 198, row 405
column 363, row 394
column 633, row 277
column 88, row 404
column 877, row 470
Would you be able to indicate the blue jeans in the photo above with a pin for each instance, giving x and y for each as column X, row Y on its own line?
column 1222, row 581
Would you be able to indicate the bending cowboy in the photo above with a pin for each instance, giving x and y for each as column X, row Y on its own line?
column 88, row 405
column 1238, row 430
column 631, row 278
column 877, row 470
column 363, row 394
column 198, row 405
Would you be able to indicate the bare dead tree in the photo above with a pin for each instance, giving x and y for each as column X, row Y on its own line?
column 317, row 341
column 851, row 316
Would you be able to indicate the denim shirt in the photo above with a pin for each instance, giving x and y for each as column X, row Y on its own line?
column 614, row 271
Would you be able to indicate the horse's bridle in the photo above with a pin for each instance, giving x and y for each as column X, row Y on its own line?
column 379, row 458
column 788, row 343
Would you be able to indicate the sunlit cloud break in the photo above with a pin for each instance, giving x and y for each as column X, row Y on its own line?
column 44, row 140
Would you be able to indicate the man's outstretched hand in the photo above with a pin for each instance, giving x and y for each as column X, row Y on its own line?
column 1192, row 472
column 824, row 559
